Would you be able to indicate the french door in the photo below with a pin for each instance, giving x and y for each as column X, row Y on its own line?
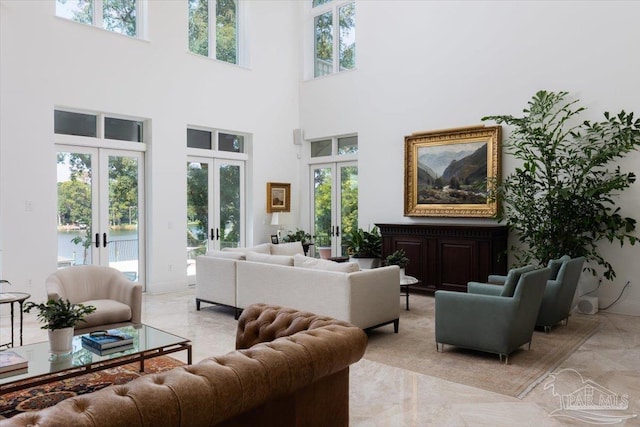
column 334, row 204
column 215, row 207
column 101, row 209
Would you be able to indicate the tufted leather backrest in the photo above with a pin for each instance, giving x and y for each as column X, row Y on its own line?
column 304, row 370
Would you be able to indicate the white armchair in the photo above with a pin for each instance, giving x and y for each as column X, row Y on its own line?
column 118, row 301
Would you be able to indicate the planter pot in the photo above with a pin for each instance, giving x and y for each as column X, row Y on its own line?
column 366, row 263
column 60, row 341
column 325, row 252
column 402, row 273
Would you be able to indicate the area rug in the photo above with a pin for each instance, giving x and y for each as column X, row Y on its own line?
column 414, row 349
column 46, row 395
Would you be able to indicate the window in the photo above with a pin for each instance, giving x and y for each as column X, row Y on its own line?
column 334, row 36
column 232, row 143
column 335, row 146
column 221, row 44
column 85, row 124
column 119, row 16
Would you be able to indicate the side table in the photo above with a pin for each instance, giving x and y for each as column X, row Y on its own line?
column 10, row 298
column 405, row 281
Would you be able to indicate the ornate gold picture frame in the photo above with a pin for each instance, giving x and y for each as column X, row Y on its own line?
column 449, row 173
column 278, row 197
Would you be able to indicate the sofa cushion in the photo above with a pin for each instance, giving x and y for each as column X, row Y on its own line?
column 107, row 311
column 302, row 261
column 227, row 254
column 269, row 259
column 290, row 248
column 555, row 265
column 264, row 248
column 512, row 280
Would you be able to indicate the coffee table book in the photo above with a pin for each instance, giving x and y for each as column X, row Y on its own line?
column 109, row 339
column 109, row 350
column 12, row 361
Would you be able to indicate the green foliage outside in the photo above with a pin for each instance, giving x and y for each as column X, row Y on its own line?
column 225, row 26
column 563, row 199
column 117, row 15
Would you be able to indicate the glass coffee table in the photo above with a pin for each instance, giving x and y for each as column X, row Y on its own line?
column 148, row 342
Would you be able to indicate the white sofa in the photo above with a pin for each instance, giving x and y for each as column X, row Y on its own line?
column 282, row 275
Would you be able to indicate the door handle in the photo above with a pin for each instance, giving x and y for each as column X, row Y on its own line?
column 97, row 240
column 217, row 233
column 104, row 240
column 337, row 231
column 213, row 236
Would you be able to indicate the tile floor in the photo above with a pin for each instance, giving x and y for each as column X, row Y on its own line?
column 383, row 395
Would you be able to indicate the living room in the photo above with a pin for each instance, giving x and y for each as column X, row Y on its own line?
column 420, row 66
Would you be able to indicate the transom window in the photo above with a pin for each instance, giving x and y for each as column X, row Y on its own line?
column 334, row 36
column 119, row 16
column 339, row 146
column 221, row 44
column 215, row 140
column 86, row 124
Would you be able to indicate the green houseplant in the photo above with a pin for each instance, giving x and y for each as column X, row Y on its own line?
column 562, row 198
column 59, row 317
column 299, row 236
column 398, row 258
column 363, row 244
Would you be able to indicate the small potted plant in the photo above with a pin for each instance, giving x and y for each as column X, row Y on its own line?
column 299, row 236
column 60, row 318
column 398, row 258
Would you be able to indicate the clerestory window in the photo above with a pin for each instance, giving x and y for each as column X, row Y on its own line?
column 119, row 16
column 334, row 36
column 223, row 43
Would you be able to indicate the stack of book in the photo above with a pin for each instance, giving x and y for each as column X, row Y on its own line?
column 11, row 363
column 107, row 342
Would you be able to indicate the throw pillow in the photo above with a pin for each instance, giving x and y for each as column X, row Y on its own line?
column 270, row 259
column 226, row 254
column 302, row 261
column 512, row 280
column 555, row 265
column 290, row 248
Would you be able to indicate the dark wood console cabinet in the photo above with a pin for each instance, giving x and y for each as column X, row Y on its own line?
column 448, row 256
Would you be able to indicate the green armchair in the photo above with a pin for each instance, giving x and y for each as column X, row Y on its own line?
column 559, row 293
column 491, row 323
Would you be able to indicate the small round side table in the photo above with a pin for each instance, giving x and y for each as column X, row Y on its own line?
column 405, row 281
column 10, row 298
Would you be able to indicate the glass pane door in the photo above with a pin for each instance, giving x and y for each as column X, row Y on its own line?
column 335, row 205
column 100, row 209
column 121, row 244
column 348, row 204
column 198, row 209
column 230, row 208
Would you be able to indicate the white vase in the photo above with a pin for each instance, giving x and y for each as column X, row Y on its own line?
column 60, row 341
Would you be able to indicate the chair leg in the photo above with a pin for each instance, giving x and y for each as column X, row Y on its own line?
column 529, row 345
column 547, row 329
column 197, row 304
column 506, row 358
column 396, row 325
column 439, row 347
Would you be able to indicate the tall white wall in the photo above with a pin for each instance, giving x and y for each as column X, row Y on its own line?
column 48, row 61
column 430, row 65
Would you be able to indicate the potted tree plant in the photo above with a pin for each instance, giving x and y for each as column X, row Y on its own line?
column 561, row 199
column 398, row 258
column 365, row 247
column 60, row 317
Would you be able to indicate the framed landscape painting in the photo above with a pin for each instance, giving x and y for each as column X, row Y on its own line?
column 449, row 173
column 278, row 197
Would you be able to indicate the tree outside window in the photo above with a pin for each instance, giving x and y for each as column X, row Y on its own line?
column 225, row 37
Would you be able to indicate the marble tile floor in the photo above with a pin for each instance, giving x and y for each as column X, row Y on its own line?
column 383, row 395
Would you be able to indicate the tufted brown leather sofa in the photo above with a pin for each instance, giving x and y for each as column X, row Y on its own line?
column 290, row 368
